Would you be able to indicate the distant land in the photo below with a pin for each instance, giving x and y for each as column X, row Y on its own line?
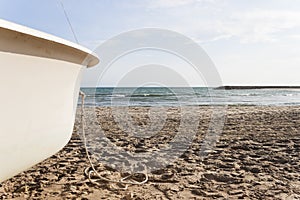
column 256, row 87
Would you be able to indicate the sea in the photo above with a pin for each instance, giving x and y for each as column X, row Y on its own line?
column 183, row 96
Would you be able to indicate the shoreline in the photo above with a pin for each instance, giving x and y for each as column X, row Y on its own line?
column 256, row 157
column 228, row 87
column 206, row 105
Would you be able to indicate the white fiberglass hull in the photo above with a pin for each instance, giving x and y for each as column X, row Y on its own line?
column 37, row 107
column 38, row 102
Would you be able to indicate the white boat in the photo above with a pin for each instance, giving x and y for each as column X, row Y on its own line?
column 39, row 84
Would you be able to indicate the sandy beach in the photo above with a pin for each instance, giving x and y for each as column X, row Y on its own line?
column 257, row 156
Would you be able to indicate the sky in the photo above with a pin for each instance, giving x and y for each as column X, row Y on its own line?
column 250, row 42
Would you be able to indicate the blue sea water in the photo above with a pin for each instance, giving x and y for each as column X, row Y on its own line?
column 159, row 96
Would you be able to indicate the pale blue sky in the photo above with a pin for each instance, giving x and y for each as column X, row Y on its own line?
column 251, row 42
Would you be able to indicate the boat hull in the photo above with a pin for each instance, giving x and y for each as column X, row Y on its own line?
column 37, row 111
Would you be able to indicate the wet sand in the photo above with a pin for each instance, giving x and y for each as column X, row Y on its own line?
column 257, row 156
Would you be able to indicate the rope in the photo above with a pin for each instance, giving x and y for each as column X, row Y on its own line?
column 91, row 169
column 89, row 172
column 69, row 22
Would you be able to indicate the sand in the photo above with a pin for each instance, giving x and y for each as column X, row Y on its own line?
column 257, row 156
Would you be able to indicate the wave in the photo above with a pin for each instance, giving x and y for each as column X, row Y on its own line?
column 150, row 95
column 186, row 96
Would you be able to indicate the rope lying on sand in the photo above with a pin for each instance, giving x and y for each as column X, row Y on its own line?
column 89, row 171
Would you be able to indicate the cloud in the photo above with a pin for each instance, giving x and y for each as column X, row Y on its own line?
column 216, row 38
column 213, row 20
column 260, row 25
column 257, row 26
column 295, row 36
column 168, row 3
column 174, row 3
